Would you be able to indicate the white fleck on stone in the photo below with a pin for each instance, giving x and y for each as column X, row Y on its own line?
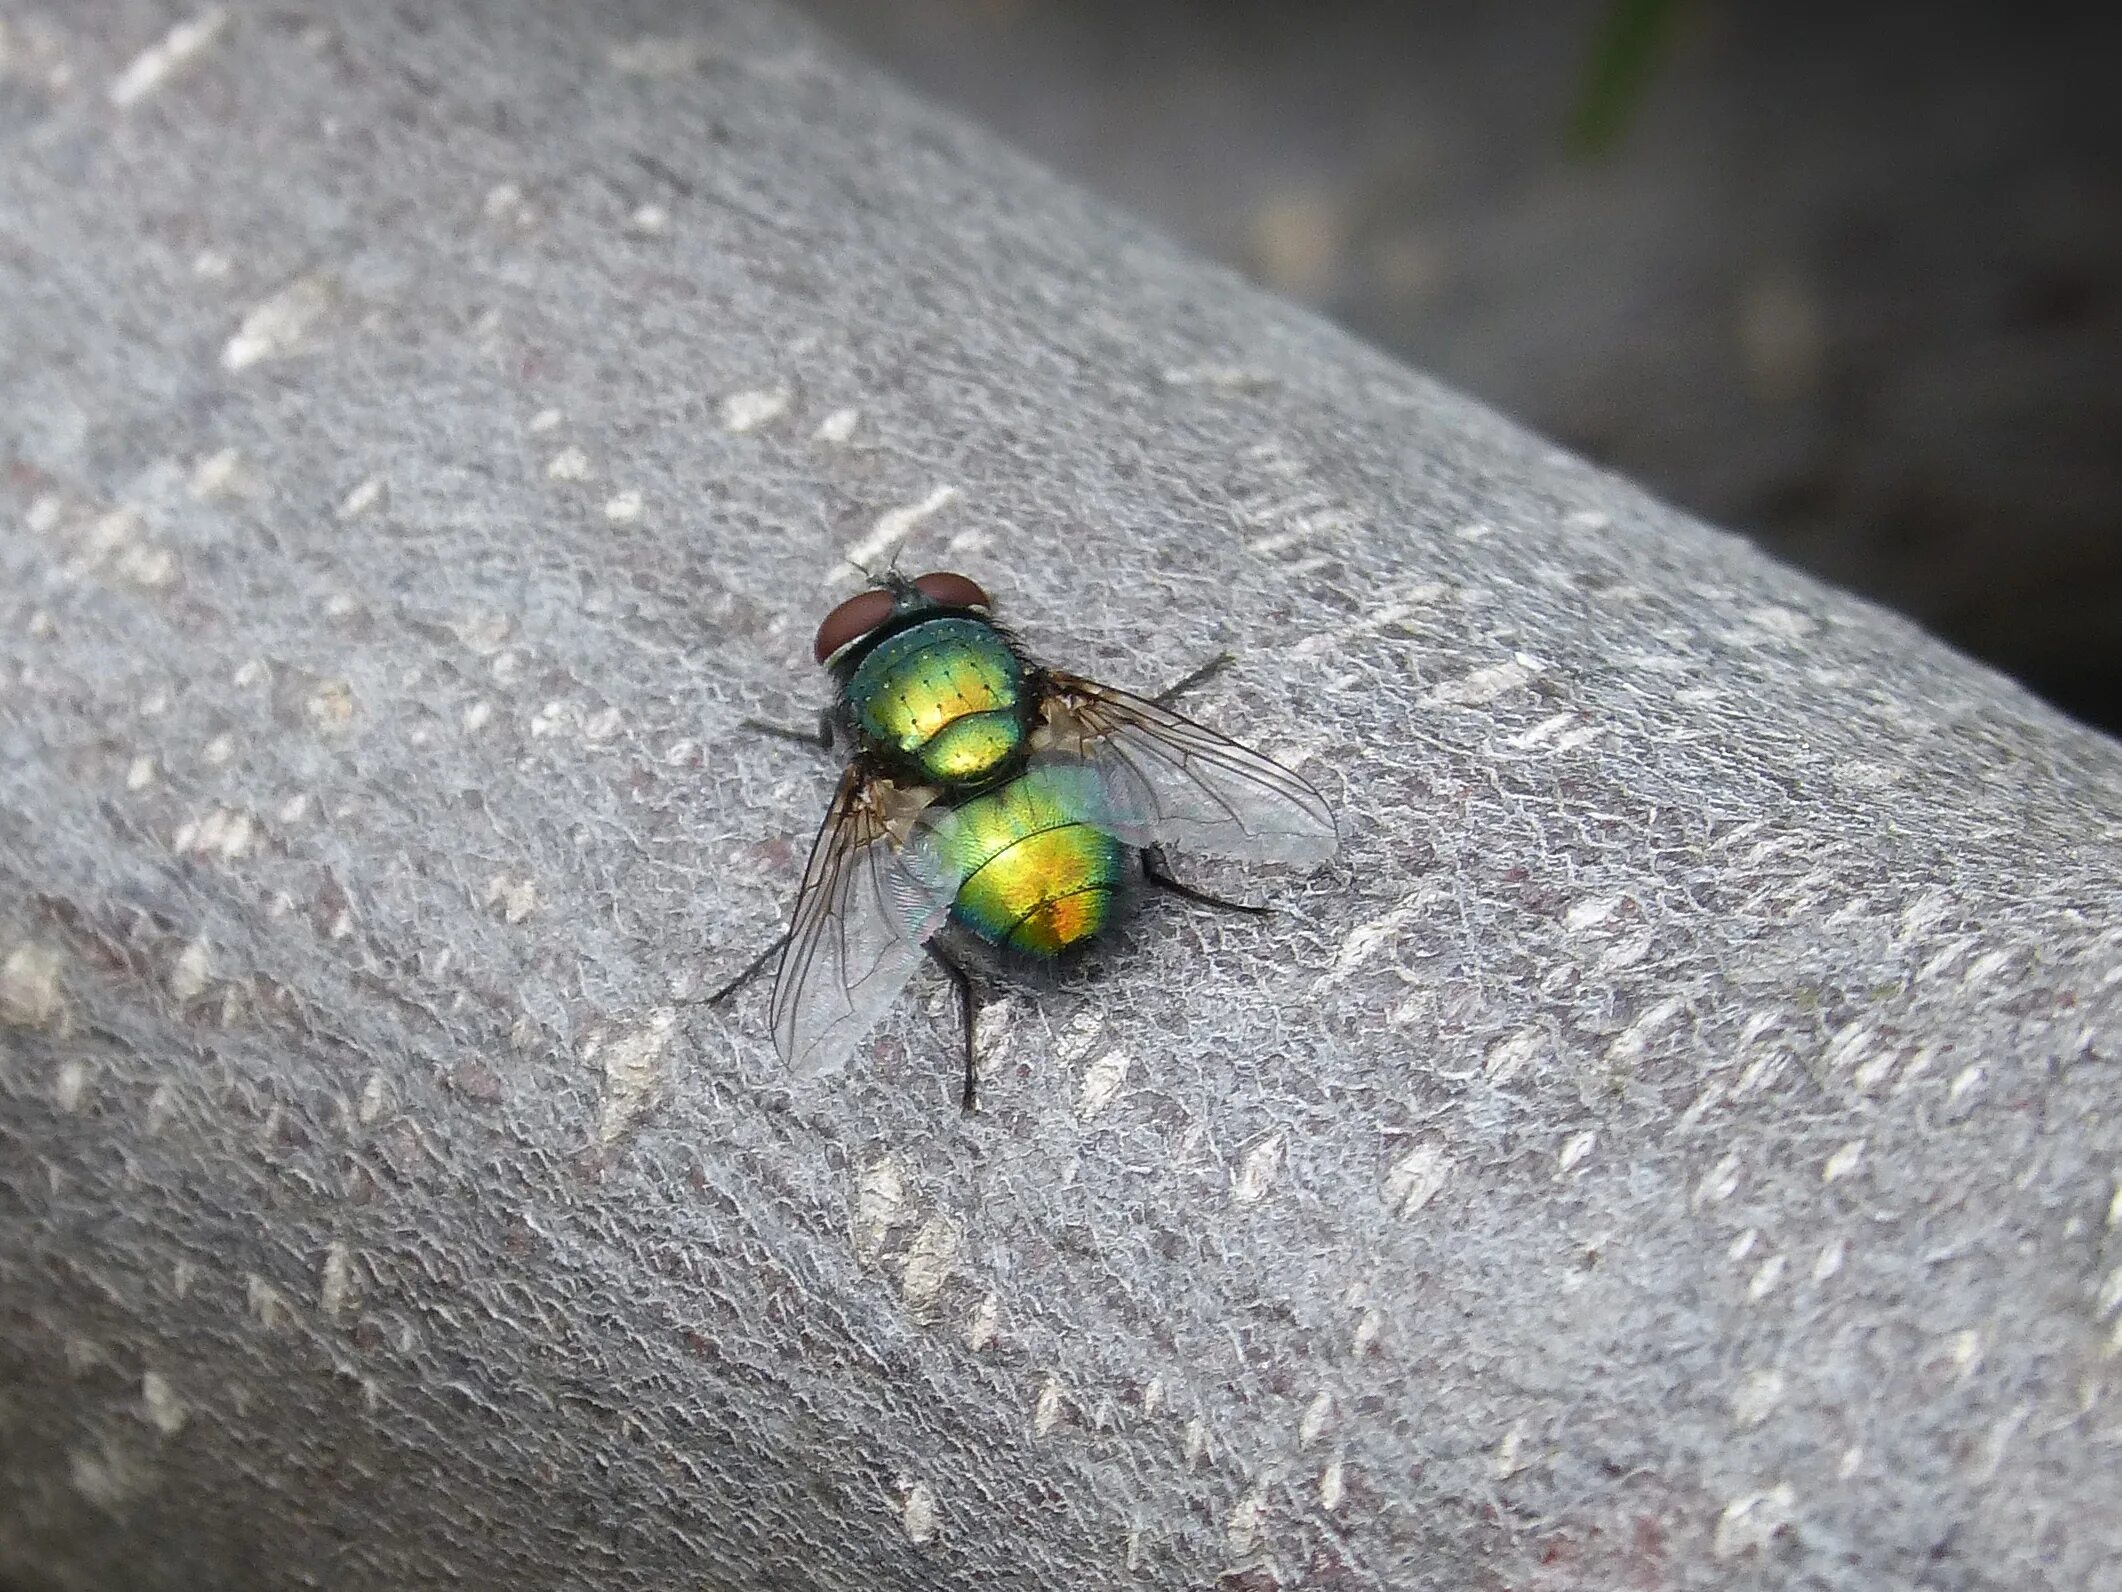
column 1785, row 624
column 1048, row 1409
column 1416, row 1177
column 163, row 59
column 1766, row 1278
column 1582, row 735
column 476, row 715
column 252, row 671
column 981, row 1325
column 280, row 325
column 1851, row 1462
column 1743, row 1245
column 1485, row 685
column 1365, row 938
column 1633, row 1040
column 1832, row 1254
column 336, row 1284
column 650, row 220
column 602, row 725
column 1102, row 1082
column 838, row 426
column 1857, row 774
column 895, row 526
column 192, row 971
column 918, row 1515
column 147, row 566
column 657, row 55
column 633, row 1070
column 1576, row 1149
column 1756, row 1397
column 331, row 705
column 928, row 1261
column 507, row 206
column 140, row 773
column 266, row 1303
column 1842, row 1162
column 1152, row 1397
column 1313, row 1422
column 569, row 464
column 1589, row 914
column 1969, row 1080
column 361, row 499
column 1748, row 1523
column 1964, row 1349
column 545, row 420
column 223, row 832
column 106, row 1479
column 31, row 995
column 159, row 1402
column 1256, row 1174
column 70, row 1086
column 1719, row 1183
column 1246, row 1515
column 1194, row 1443
column 623, row 508
column 880, row 1205
column 517, row 898
column 1510, row 1457
column 748, row 411
column 2114, row 1208
column 1508, row 1056
column 45, row 513
column 375, row 1095
column 211, row 265
column 220, row 750
column 218, row 475
column 1333, row 1486
column 1368, row 1326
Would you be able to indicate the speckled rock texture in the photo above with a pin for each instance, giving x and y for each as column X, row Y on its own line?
column 1676, row 1146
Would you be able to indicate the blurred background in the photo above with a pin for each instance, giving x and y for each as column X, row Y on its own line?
column 1845, row 277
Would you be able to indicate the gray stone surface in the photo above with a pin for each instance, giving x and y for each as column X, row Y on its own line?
column 1676, row 1147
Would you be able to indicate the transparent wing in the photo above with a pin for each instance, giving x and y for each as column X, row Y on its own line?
column 861, row 919
column 1173, row 782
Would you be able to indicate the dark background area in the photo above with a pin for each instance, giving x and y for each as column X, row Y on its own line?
column 1847, row 278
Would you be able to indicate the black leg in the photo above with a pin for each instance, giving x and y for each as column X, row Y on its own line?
column 1158, row 873
column 1207, row 671
column 752, row 970
column 819, row 739
column 969, row 1007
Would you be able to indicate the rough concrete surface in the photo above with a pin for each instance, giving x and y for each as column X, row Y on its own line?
column 1676, row 1146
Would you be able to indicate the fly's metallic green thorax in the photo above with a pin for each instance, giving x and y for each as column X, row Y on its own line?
column 946, row 697
column 1040, row 869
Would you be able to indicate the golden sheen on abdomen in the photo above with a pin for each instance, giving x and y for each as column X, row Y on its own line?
column 1040, row 873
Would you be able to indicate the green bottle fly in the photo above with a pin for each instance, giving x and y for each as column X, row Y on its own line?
column 990, row 802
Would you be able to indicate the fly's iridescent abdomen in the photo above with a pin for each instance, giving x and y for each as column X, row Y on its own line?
column 1040, row 870
column 945, row 696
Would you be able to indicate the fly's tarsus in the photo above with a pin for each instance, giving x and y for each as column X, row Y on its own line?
column 1157, row 870
column 1201, row 676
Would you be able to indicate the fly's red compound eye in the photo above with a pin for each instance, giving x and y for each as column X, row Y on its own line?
column 951, row 591
column 852, row 620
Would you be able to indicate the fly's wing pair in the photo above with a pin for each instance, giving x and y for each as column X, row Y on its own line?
column 1172, row 782
column 861, row 919
column 875, row 891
